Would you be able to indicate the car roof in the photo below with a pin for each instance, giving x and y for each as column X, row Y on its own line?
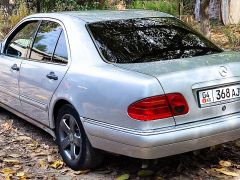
column 105, row 15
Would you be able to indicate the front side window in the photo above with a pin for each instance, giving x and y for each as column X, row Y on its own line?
column 20, row 43
column 45, row 41
column 148, row 40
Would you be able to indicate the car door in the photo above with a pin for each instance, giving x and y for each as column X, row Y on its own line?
column 15, row 49
column 41, row 74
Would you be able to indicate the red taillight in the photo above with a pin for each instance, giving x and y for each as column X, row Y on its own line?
column 158, row 107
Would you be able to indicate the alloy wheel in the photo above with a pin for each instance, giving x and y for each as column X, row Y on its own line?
column 70, row 137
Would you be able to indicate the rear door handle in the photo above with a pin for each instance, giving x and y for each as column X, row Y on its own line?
column 52, row 76
column 15, row 67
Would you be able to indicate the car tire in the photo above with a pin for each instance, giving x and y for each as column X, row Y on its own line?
column 72, row 141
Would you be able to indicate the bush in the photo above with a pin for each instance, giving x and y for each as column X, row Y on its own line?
column 63, row 5
column 18, row 15
column 170, row 6
column 9, row 21
column 232, row 37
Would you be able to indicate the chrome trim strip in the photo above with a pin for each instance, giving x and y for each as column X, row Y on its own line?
column 162, row 130
column 32, row 121
column 25, row 99
column 34, row 103
column 9, row 92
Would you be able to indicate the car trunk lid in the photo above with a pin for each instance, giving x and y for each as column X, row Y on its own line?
column 191, row 77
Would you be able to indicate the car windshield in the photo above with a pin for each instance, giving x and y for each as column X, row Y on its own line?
column 148, row 40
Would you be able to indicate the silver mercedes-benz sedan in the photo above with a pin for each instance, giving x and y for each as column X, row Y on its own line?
column 137, row 83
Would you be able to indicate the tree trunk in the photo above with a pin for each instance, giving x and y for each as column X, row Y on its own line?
column 180, row 7
column 205, row 23
column 214, row 10
column 101, row 3
column 197, row 10
column 234, row 15
column 38, row 6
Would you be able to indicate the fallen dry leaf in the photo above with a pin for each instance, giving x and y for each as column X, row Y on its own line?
column 17, row 167
column 3, row 154
column 159, row 178
column 21, row 175
column 144, row 173
column 57, row 164
column 81, row 172
column 14, row 155
column 38, row 154
column 23, row 138
column 123, row 177
column 33, row 145
column 11, row 161
column 225, row 163
column 226, row 172
column 7, row 171
column 8, row 178
column 50, row 159
column 7, row 125
column 237, row 143
column 42, row 164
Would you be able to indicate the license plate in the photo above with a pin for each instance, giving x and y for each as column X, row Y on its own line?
column 218, row 94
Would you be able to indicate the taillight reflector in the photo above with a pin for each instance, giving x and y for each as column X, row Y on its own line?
column 158, row 107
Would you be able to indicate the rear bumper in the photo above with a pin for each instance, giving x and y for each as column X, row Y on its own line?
column 158, row 143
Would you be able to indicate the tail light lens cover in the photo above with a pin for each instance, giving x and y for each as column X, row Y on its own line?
column 159, row 107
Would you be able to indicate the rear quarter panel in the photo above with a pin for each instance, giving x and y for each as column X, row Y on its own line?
column 103, row 94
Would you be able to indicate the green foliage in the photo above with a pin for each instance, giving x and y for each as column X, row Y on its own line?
column 188, row 7
column 170, row 6
column 8, row 22
column 233, row 39
column 66, row 5
column 18, row 14
column 70, row 5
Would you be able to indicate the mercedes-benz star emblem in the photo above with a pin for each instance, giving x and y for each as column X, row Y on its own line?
column 223, row 71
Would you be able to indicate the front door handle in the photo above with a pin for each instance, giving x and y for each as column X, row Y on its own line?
column 52, row 76
column 15, row 67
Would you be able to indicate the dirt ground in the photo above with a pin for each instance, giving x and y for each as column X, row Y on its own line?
column 27, row 152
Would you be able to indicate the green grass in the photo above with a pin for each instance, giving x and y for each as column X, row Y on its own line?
column 170, row 6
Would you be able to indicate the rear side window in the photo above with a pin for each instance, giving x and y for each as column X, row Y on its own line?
column 61, row 53
column 45, row 41
column 148, row 40
column 19, row 44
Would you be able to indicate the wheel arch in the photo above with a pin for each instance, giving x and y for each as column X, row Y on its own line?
column 55, row 109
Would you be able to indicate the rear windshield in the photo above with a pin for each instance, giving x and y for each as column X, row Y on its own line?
column 148, row 40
